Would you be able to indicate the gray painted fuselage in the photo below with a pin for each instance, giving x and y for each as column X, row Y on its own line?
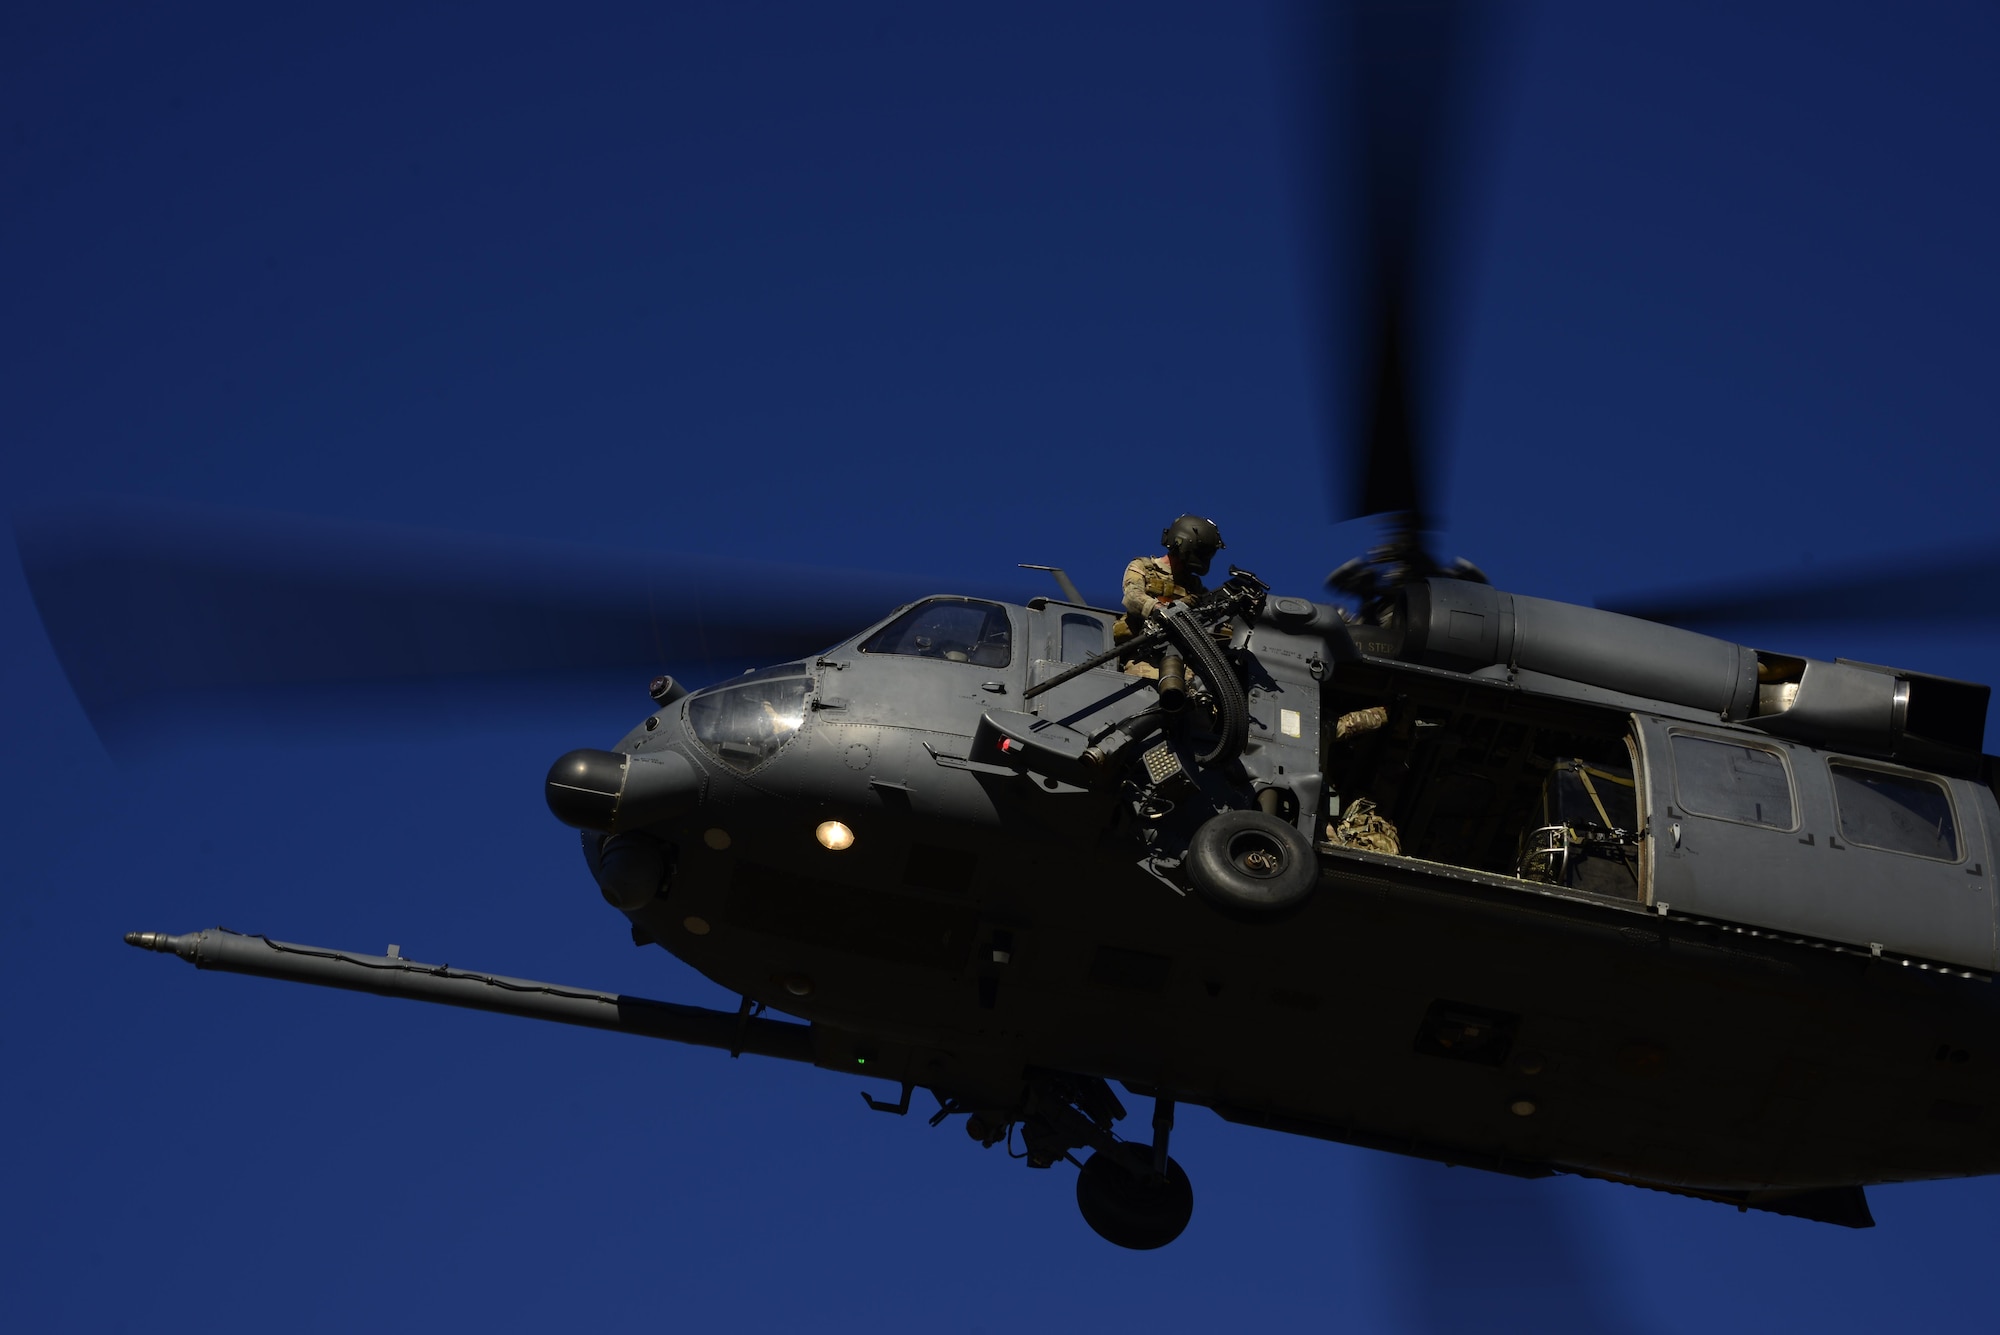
column 1770, row 1011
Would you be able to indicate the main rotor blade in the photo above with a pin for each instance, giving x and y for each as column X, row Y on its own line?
column 1375, row 89
column 148, row 608
column 1482, row 1251
column 1956, row 587
column 1400, row 62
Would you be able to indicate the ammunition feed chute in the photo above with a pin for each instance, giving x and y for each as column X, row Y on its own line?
column 1187, row 631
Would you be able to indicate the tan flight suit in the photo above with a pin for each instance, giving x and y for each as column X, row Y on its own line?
column 1147, row 580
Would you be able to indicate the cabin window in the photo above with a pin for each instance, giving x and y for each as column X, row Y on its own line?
column 1746, row 784
column 1895, row 812
column 1082, row 637
column 745, row 722
column 959, row 630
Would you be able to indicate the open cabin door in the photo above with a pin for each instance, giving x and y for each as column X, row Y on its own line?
column 1763, row 832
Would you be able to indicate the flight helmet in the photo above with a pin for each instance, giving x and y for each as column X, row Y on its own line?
column 1193, row 542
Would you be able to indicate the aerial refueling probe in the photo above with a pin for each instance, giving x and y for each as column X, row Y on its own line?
column 394, row 976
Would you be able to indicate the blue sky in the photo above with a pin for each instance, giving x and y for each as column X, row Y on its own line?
column 893, row 287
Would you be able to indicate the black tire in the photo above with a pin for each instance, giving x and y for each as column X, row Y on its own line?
column 1132, row 1206
column 1251, row 865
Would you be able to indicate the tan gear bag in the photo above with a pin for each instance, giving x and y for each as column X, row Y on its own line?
column 1361, row 826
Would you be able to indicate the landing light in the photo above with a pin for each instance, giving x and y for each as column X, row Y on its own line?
column 834, row 835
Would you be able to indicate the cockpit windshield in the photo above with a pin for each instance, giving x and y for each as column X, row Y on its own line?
column 960, row 630
column 745, row 722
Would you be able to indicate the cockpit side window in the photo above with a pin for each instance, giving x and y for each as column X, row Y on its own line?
column 959, row 630
column 1082, row 637
column 745, row 722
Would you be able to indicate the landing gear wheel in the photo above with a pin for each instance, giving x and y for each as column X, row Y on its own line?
column 1130, row 1205
column 1249, row 864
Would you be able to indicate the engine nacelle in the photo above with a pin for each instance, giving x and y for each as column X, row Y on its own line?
column 1457, row 624
column 1468, row 627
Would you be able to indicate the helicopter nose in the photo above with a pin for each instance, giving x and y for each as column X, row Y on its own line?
column 613, row 791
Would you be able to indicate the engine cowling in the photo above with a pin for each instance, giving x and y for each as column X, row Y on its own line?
column 1469, row 627
column 1465, row 626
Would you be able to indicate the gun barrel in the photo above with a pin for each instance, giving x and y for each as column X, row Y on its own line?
column 393, row 976
column 1134, row 645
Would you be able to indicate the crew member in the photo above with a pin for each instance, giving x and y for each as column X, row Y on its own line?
column 1191, row 543
column 1151, row 581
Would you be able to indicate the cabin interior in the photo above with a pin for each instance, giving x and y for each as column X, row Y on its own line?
column 1484, row 779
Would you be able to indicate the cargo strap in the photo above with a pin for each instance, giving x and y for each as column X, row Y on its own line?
column 1585, row 773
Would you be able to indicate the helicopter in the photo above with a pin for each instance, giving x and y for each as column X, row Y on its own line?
column 980, row 860
column 1599, row 685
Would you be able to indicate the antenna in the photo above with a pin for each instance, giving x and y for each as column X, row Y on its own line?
column 1063, row 582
